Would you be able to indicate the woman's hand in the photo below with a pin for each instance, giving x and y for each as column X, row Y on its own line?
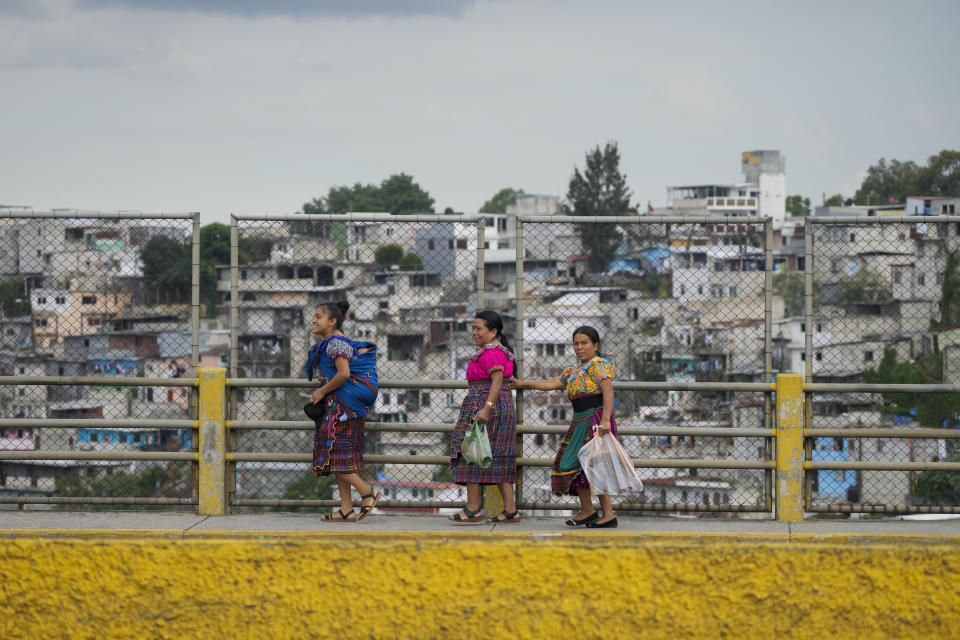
column 483, row 416
column 516, row 384
column 317, row 396
column 602, row 429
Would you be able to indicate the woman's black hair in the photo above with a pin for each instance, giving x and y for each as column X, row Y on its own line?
column 337, row 310
column 494, row 323
column 591, row 333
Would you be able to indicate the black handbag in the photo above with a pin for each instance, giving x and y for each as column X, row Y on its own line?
column 315, row 411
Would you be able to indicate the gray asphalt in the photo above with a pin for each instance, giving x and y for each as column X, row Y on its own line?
column 284, row 522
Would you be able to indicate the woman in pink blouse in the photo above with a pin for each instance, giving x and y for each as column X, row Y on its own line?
column 589, row 385
column 490, row 402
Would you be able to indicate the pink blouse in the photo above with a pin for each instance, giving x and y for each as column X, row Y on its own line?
column 489, row 358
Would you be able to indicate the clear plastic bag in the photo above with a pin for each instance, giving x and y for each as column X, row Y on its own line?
column 608, row 468
column 476, row 445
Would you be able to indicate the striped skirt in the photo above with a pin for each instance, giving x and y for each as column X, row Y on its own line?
column 337, row 444
column 502, row 431
column 568, row 482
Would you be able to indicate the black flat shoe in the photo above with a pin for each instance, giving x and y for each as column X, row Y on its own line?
column 583, row 521
column 609, row 524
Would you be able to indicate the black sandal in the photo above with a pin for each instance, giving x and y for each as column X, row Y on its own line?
column 472, row 516
column 573, row 522
column 365, row 510
column 344, row 517
column 510, row 518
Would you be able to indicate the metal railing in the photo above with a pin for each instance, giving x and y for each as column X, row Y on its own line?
column 736, row 290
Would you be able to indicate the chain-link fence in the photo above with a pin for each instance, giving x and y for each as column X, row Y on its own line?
column 686, row 304
column 99, row 321
column 412, row 283
column 880, row 309
column 102, row 323
column 675, row 301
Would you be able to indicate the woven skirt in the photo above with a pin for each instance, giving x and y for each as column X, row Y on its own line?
column 337, row 444
column 568, row 482
column 502, row 431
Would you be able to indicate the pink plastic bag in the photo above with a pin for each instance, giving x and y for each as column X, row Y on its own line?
column 608, row 468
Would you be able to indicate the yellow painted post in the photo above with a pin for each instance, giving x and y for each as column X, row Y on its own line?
column 212, row 492
column 789, row 391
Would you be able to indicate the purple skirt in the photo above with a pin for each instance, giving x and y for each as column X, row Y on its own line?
column 502, row 431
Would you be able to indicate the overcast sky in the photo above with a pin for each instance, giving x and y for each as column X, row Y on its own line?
column 253, row 107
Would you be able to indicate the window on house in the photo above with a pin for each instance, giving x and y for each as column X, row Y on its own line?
column 897, row 276
column 41, row 300
column 425, row 398
column 430, row 245
column 733, row 292
column 819, row 356
column 921, row 279
column 450, row 244
column 462, row 243
column 868, row 356
column 88, row 299
column 60, row 300
column 531, row 323
column 853, row 237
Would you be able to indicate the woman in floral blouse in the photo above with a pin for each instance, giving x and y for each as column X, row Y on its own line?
column 589, row 385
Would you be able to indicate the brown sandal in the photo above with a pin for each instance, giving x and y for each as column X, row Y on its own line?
column 473, row 517
column 365, row 510
column 344, row 517
column 508, row 518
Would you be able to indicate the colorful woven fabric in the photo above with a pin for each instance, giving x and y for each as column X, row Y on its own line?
column 489, row 358
column 502, row 431
column 337, row 445
column 358, row 394
column 584, row 379
column 567, row 482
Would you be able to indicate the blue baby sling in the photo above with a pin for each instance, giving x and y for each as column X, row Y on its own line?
column 359, row 392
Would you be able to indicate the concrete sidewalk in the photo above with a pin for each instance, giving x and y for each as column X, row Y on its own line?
column 285, row 523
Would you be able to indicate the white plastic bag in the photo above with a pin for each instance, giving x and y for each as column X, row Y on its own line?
column 608, row 468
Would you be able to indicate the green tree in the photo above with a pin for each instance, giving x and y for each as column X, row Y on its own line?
column 893, row 181
column 411, row 262
column 167, row 268
column 601, row 190
column 887, row 181
column 791, row 286
column 359, row 198
column 254, row 249
column 941, row 175
column 215, row 244
column 14, row 301
column 498, row 203
column 400, row 195
column 155, row 482
column 309, row 487
column 864, row 286
column 940, row 486
column 388, row 254
column 836, row 200
column 798, row 206
column 950, row 292
column 934, row 410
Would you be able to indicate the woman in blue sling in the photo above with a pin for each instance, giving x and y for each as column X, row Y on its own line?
column 339, row 408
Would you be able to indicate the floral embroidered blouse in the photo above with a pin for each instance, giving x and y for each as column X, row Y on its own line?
column 584, row 380
column 489, row 358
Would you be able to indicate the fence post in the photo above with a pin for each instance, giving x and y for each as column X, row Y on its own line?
column 789, row 390
column 212, row 495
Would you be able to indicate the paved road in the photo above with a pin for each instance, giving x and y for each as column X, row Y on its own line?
column 287, row 522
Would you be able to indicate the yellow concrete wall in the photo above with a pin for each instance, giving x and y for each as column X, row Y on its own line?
column 471, row 585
